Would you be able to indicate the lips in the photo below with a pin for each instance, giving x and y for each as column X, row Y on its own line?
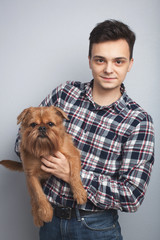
column 109, row 78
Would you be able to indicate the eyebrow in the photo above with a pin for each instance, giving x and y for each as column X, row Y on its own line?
column 98, row 57
column 117, row 58
column 121, row 58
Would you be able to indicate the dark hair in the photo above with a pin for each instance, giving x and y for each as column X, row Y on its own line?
column 111, row 30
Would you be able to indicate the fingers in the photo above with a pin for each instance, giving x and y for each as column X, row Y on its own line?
column 46, row 169
column 47, row 163
column 53, row 159
column 59, row 155
column 57, row 166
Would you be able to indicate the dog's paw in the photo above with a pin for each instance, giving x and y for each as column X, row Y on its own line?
column 45, row 212
column 80, row 196
column 37, row 221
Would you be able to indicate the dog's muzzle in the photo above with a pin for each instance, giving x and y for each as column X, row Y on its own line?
column 42, row 131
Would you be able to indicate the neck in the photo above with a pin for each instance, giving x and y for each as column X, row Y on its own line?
column 105, row 97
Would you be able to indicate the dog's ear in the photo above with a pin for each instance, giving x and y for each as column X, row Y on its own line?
column 61, row 113
column 22, row 115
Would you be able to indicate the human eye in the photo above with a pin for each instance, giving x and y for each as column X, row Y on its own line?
column 119, row 62
column 99, row 60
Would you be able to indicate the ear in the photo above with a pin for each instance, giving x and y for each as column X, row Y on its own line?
column 130, row 64
column 60, row 112
column 22, row 115
column 89, row 59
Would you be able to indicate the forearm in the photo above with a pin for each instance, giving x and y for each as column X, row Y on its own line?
column 125, row 193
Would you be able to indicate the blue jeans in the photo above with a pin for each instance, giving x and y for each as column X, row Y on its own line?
column 102, row 225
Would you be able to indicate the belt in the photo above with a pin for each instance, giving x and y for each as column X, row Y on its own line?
column 68, row 213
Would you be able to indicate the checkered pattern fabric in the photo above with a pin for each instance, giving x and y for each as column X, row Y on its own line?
column 116, row 144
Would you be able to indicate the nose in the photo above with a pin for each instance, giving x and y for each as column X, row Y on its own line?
column 42, row 129
column 108, row 68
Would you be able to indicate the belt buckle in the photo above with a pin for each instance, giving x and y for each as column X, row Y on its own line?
column 66, row 213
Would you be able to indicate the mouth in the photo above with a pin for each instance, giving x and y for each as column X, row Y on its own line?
column 108, row 78
column 42, row 136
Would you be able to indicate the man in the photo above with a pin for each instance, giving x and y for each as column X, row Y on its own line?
column 115, row 137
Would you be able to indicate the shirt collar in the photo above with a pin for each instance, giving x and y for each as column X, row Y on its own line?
column 116, row 106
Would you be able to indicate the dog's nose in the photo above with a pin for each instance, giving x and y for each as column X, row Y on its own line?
column 42, row 129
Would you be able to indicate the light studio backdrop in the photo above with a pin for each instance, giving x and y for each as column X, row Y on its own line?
column 44, row 43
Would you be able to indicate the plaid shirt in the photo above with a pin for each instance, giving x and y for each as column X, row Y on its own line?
column 116, row 144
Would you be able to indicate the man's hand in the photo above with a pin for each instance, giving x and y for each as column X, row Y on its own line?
column 57, row 166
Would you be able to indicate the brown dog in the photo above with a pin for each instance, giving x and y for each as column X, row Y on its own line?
column 42, row 134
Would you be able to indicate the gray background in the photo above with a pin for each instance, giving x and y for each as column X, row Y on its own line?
column 44, row 43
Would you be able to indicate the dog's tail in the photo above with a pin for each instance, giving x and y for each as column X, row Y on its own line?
column 12, row 165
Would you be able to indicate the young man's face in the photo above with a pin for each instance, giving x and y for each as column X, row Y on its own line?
column 110, row 62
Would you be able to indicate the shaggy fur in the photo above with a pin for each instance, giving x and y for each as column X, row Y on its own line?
column 43, row 133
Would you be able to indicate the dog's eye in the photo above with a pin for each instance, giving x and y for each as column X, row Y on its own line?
column 33, row 124
column 51, row 124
